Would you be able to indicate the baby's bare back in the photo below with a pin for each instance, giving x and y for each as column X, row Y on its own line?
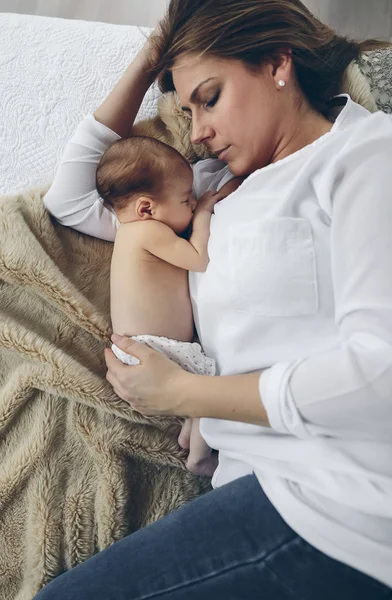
column 148, row 295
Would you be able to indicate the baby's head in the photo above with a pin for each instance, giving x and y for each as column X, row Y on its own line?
column 142, row 178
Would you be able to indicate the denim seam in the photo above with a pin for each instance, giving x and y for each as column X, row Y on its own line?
column 222, row 571
column 300, row 542
column 272, row 554
column 283, row 583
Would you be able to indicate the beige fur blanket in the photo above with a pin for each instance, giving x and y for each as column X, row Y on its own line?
column 79, row 469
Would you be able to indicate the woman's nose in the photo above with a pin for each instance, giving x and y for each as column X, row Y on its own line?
column 200, row 133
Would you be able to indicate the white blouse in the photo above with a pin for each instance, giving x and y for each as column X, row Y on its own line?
column 299, row 284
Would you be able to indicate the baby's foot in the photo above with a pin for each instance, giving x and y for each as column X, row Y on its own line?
column 205, row 466
column 184, row 438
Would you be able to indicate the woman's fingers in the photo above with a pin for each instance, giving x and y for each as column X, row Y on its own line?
column 130, row 346
column 117, row 375
column 117, row 370
column 148, row 386
column 111, row 360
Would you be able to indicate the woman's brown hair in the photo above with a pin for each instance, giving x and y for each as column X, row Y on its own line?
column 254, row 31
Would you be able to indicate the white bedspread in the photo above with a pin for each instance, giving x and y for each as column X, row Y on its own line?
column 52, row 73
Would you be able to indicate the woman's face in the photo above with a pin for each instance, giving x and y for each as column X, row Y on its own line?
column 234, row 108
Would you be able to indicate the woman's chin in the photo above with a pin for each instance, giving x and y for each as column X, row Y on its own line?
column 237, row 169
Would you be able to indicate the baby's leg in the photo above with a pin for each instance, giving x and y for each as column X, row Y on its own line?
column 184, row 438
column 201, row 459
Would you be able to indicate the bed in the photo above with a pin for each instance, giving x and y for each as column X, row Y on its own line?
column 52, row 73
column 125, row 471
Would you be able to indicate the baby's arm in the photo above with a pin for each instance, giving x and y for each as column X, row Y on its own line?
column 190, row 255
column 161, row 241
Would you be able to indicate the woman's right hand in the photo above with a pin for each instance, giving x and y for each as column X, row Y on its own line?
column 153, row 48
column 119, row 110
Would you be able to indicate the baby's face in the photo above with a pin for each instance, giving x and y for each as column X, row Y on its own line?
column 177, row 209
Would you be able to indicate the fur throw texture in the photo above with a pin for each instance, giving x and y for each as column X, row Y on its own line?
column 172, row 126
column 79, row 468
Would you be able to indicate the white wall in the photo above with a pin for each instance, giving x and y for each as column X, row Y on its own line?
column 126, row 12
column 359, row 18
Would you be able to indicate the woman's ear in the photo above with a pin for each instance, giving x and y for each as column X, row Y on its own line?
column 282, row 67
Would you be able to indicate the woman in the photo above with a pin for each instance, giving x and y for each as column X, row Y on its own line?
column 295, row 307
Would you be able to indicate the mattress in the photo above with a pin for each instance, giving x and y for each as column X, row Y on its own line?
column 52, row 73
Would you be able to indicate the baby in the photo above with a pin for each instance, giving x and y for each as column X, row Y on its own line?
column 149, row 186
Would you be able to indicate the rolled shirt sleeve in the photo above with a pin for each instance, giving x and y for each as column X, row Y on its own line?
column 210, row 174
column 73, row 198
column 347, row 392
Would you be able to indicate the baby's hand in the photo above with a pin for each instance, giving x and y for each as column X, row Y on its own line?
column 208, row 200
column 201, row 460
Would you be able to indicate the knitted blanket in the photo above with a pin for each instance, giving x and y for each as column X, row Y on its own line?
column 79, row 468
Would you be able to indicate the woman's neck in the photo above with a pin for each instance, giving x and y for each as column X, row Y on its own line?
column 304, row 129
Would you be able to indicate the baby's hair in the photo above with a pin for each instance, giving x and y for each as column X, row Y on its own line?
column 133, row 167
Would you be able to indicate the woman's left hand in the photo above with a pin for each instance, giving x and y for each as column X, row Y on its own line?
column 153, row 387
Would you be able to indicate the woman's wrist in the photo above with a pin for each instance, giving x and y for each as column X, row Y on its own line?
column 229, row 397
column 119, row 110
column 151, row 52
column 145, row 62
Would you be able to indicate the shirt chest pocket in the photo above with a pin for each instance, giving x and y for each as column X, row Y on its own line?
column 272, row 267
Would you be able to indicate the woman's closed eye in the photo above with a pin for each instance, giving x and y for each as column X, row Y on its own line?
column 212, row 102
column 208, row 104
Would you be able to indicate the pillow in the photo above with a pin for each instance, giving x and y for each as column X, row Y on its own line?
column 376, row 66
column 53, row 72
column 355, row 84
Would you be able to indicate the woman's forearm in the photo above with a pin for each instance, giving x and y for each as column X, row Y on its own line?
column 229, row 397
column 119, row 110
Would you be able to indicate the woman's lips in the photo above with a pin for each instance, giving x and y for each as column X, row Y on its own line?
column 222, row 155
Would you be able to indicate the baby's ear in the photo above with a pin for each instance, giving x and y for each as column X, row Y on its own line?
column 145, row 207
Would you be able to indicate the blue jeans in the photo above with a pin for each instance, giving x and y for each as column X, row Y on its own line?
column 229, row 544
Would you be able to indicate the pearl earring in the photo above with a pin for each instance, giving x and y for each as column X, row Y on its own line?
column 281, row 82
